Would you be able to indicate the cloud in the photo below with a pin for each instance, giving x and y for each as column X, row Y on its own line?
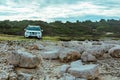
column 49, row 10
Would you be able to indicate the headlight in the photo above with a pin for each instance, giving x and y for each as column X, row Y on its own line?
column 38, row 32
column 27, row 32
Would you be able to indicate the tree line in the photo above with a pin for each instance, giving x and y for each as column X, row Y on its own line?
column 59, row 28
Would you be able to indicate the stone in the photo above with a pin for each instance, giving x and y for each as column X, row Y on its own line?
column 87, row 57
column 67, row 76
column 51, row 54
column 35, row 47
column 24, row 76
column 70, row 44
column 13, row 76
column 76, row 45
column 96, row 43
column 106, row 47
column 90, row 71
column 64, row 68
column 67, row 55
column 39, row 46
column 77, row 63
column 23, row 59
column 115, row 52
column 3, row 75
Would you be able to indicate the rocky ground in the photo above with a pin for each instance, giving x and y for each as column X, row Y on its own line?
column 72, row 60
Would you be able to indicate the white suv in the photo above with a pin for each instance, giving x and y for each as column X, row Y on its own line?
column 33, row 31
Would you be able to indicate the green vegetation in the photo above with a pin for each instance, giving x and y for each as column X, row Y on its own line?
column 64, row 31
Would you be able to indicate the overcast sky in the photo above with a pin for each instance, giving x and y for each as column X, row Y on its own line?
column 50, row 10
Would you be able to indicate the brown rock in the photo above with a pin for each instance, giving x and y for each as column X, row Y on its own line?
column 87, row 57
column 23, row 59
column 115, row 52
column 89, row 72
column 67, row 55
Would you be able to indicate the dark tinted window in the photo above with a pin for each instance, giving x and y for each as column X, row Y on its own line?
column 33, row 28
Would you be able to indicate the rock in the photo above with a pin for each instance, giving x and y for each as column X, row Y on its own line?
column 87, row 57
column 79, row 71
column 13, row 76
column 39, row 46
column 106, row 47
column 52, row 54
column 64, row 68
column 80, row 79
column 77, row 63
column 3, row 75
column 67, row 55
column 70, row 44
column 96, row 43
column 96, row 51
column 115, row 52
column 106, row 55
column 67, row 76
column 87, row 44
column 90, row 71
column 76, row 45
column 23, row 59
column 24, row 76
column 24, row 70
column 35, row 47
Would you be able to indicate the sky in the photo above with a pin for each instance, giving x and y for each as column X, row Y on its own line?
column 61, row 10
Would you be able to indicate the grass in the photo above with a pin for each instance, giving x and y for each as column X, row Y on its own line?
column 6, row 37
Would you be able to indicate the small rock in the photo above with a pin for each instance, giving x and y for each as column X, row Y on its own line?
column 13, row 76
column 3, row 75
column 24, row 76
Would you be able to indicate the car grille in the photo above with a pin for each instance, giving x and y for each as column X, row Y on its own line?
column 33, row 33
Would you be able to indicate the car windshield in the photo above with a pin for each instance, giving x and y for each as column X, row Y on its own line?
column 33, row 28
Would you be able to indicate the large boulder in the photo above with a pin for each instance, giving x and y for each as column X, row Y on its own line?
column 64, row 69
column 67, row 55
column 87, row 57
column 90, row 71
column 23, row 59
column 52, row 54
column 78, row 70
column 77, row 63
column 76, row 45
column 97, row 51
column 93, row 53
column 115, row 52
column 67, row 76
